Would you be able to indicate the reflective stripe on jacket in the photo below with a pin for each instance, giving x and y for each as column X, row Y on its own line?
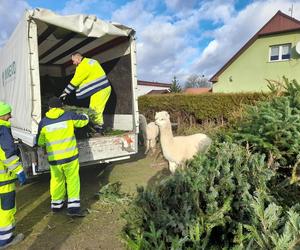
column 56, row 133
column 10, row 164
column 88, row 79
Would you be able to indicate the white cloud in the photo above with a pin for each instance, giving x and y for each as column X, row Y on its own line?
column 214, row 10
column 179, row 5
column 236, row 31
column 10, row 13
column 217, row 10
column 166, row 42
column 163, row 45
column 101, row 8
column 133, row 14
column 77, row 6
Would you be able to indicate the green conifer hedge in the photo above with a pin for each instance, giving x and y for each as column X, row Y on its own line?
column 210, row 106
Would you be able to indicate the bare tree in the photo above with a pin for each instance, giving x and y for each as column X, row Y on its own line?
column 197, row 81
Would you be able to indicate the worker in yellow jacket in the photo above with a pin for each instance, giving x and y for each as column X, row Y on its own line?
column 90, row 80
column 10, row 170
column 56, row 133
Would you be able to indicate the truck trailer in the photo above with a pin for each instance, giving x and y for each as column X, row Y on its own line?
column 36, row 64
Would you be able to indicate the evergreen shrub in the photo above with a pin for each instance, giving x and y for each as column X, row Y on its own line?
column 201, row 208
column 273, row 127
column 221, row 202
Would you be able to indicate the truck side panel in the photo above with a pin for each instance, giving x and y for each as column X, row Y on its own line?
column 15, row 82
column 99, row 149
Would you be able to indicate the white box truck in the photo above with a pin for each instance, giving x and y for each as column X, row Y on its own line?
column 35, row 64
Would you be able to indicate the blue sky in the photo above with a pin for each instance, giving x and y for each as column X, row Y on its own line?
column 174, row 37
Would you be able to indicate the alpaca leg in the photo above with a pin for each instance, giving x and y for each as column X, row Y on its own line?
column 172, row 167
column 157, row 152
column 152, row 146
column 145, row 138
column 153, row 143
column 147, row 146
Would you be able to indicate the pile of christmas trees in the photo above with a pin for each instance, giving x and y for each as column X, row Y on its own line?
column 274, row 127
column 88, row 131
column 237, row 196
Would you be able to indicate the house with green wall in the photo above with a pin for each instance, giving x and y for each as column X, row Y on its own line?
column 270, row 54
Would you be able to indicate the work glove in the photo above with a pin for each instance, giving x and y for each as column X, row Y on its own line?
column 86, row 116
column 63, row 96
column 21, row 177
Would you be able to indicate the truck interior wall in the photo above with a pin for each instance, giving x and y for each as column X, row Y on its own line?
column 119, row 74
column 54, row 76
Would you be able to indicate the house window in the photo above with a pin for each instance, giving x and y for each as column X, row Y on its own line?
column 280, row 52
column 286, row 51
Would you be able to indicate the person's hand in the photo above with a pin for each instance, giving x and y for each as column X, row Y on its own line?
column 21, row 178
column 63, row 96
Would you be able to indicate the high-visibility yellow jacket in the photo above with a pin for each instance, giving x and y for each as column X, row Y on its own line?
column 56, row 133
column 89, row 78
column 10, row 164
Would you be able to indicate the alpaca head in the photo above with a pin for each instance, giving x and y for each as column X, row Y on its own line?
column 162, row 118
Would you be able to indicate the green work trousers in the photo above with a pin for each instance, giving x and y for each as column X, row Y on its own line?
column 98, row 102
column 65, row 181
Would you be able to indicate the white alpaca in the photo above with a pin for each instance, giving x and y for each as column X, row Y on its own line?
column 178, row 149
column 152, row 132
column 149, row 132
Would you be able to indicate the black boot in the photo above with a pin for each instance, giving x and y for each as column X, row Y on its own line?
column 76, row 212
column 16, row 239
column 56, row 210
